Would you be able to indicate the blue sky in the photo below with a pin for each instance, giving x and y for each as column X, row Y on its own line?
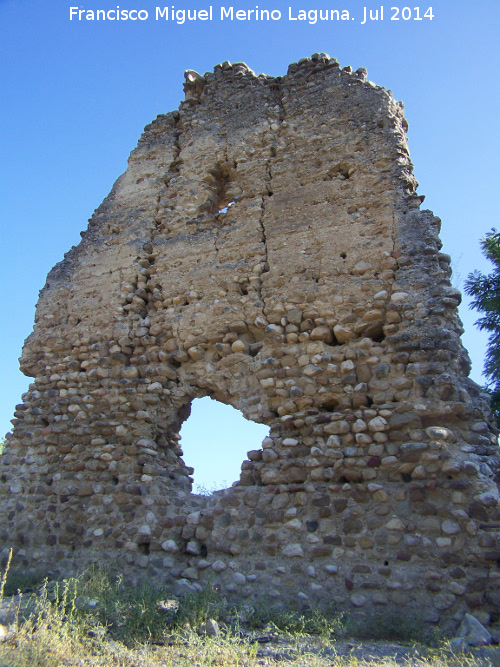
column 77, row 94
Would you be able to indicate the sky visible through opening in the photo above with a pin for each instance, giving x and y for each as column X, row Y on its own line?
column 215, row 440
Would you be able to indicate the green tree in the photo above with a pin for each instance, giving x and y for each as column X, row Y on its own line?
column 485, row 292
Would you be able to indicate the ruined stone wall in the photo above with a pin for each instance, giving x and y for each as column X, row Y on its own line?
column 265, row 247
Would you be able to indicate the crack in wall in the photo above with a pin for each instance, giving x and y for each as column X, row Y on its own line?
column 145, row 285
column 394, row 234
column 226, row 162
column 157, row 219
column 173, row 171
column 264, row 242
column 277, row 94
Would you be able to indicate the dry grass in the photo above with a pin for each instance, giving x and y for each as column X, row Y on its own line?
column 47, row 648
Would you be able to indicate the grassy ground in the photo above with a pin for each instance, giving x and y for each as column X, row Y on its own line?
column 96, row 620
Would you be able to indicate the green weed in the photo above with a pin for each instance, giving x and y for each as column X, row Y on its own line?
column 323, row 623
column 144, row 613
column 3, row 578
column 25, row 583
column 391, row 626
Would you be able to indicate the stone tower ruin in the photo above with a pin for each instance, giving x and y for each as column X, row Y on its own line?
column 265, row 247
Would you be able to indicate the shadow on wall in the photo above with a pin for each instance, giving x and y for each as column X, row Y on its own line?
column 215, row 441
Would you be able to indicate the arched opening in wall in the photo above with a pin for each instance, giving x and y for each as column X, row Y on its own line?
column 215, row 440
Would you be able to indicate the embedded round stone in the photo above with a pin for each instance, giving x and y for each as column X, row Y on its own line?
column 293, row 551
